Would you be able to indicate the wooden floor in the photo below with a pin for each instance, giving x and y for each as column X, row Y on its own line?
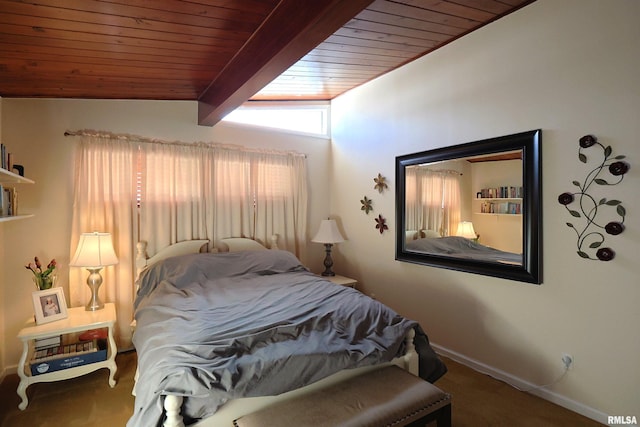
column 478, row 401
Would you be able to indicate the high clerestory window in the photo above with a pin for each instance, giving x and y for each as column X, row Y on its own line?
column 309, row 118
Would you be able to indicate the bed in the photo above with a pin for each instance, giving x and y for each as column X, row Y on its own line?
column 222, row 334
column 460, row 247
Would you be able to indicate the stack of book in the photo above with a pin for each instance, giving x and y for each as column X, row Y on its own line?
column 42, row 343
column 504, row 208
column 6, row 161
column 8, row 201
column 504, row 192
column 59, row 357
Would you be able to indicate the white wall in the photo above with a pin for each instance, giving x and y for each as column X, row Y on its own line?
column 570, row 68
column 34, row 129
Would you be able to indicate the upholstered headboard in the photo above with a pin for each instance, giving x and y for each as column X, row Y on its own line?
column 232, row 244
column 180, row 248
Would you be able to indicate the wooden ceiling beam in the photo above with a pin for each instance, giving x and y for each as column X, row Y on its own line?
column 292, row 30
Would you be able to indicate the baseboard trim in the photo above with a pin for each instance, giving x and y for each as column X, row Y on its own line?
column 542, row 393
column 10, row 370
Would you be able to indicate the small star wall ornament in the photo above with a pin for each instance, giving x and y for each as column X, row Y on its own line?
column 381, row 224
column 381, row 183
column 366, row 205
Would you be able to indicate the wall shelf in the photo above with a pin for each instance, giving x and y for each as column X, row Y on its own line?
column 8, row 178
column 14, row 217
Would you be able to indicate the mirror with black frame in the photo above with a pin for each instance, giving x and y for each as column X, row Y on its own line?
column 474, row 207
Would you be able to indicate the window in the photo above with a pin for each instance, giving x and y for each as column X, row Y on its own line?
column 310, row 118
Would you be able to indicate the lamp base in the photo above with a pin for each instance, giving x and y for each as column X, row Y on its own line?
column 328, row 261
column 94, row 281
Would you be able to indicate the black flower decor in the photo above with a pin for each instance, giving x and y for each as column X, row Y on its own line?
column 381, row 224
column 590, row 234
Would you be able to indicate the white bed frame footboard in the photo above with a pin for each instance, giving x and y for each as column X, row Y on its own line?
column 236, row 408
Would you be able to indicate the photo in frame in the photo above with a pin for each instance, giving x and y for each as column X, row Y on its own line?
column 49, row 305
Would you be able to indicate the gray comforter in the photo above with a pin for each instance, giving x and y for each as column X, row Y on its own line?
column 215, row 327
column 460, row 247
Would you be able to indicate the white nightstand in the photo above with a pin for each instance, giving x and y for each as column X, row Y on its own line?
column 78, row 320
column 342, row 280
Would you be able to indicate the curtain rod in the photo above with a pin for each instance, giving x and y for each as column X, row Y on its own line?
column 452, row 171
column 449, row 171
column 147, row 140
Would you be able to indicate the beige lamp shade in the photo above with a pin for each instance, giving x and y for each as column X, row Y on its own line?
column 465, row 229
column 94, row 250
column 328, row 232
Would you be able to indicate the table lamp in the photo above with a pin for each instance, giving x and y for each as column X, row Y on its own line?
column 465, row 229
column 328, row 234
column 95, row 250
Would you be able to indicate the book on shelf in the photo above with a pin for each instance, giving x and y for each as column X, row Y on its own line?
column 41, row 343
column 6, row 158
column 504, row 192
column 8, row 201
column 66, row 350
column 505, row 208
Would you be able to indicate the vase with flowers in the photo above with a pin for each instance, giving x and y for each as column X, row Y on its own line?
column 43, row 279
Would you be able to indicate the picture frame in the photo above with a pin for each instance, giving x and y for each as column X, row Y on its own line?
column 49, row 305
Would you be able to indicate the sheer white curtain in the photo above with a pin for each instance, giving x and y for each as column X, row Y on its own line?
column 433, row 200
column 104, row 200
column 280, row 185
column 230, row 178
column 412, row 207
column 173, row 194
column 198, row 191
column 163, row 193
column 451, row 203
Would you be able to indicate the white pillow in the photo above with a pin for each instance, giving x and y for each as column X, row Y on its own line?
column 410, row 235
column 236, row 244
column 430, row 234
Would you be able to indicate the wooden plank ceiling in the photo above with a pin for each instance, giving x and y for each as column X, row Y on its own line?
column 221, row 52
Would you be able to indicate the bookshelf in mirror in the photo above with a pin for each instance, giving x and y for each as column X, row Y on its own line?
column 506, row 200
column 9, row 196
column 498, row 206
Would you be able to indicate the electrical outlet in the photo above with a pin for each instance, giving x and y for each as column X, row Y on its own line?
column 567, row 360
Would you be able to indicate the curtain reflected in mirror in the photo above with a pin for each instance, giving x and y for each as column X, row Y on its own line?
column 437, row 207
column 472, row 207
column 433, row 199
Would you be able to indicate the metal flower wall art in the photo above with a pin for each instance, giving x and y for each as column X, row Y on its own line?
column 367, row 205
column 596, row 216
column 381, row 183
column 381, row 224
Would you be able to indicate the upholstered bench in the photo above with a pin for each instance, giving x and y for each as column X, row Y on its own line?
column 385, row 397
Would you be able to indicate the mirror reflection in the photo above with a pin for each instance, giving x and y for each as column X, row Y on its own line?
column 467, row 208
column 473, row 207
